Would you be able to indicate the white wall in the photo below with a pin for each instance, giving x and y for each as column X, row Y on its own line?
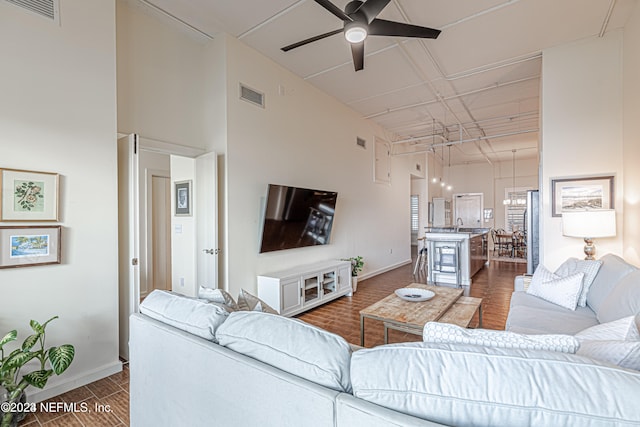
column 581, row 132
column 631, row 147
column 161, row 76
column 58, row 114
column 308, row 139
column 183, row 236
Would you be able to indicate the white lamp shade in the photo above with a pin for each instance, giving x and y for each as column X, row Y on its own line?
column 589, row 223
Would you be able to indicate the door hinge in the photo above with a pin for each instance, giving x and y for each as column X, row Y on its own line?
column 134, row 261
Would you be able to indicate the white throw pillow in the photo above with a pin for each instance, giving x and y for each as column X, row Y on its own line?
column 563, row 291
column 625, row 329
column 625, row 354
column 219, row 296
column 248, row 302
column 588, row 267
column 452, row 334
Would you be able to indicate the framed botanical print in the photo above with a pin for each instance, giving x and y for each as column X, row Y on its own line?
column 570, row 194
column 29, row 246
column 183, row 198
column 28, row 195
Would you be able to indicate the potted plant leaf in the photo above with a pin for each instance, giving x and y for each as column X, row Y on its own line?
column 32, row 349
column 357, row 263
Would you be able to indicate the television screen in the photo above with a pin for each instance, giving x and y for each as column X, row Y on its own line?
column 296, row 217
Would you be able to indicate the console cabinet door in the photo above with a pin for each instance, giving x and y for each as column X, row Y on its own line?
column 291, row 296
column 344, row 278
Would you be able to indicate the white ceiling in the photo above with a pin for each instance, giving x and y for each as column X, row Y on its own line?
column 478, row 83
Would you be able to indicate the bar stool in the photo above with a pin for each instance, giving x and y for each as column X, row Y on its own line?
column 421, row 260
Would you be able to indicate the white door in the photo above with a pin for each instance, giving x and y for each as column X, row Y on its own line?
column 206, row 220
column 468, row 209
column 129, row 235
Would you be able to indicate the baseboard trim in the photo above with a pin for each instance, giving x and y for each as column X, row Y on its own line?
column 37, row 395
column 374, row 273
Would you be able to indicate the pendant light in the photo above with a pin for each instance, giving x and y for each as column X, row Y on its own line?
column 449, row 187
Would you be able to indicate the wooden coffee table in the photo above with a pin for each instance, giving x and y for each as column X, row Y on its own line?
column 448, row 306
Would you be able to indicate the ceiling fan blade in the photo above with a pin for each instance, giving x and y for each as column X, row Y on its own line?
column 311, row 40
column 381, row 27
column 372, row 8
column 334, row 9
column 357, row 51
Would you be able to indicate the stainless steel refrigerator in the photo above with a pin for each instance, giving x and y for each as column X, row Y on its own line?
column 532, row 230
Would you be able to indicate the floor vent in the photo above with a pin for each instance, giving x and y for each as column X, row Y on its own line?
column 251, row 95
column 47, row 8
column 360, row 142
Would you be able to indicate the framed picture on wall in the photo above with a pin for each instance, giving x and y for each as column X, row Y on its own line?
column 29, row 246
column 28, row 195
column 183, row 198
column 570, row 194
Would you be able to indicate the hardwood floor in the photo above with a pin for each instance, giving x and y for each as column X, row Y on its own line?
column 493, row 284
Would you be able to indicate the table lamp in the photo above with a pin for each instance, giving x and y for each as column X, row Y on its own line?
column 588, row 224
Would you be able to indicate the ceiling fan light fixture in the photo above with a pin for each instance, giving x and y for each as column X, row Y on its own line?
column 356, row 33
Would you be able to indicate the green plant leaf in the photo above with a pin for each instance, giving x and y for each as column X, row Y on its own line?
column 37, row 327
column 30, row 341
column 61, row 357
column 38, row 378
column 19, row 359
column 11, row 336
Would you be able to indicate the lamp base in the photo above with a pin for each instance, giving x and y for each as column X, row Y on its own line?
column 589, row 249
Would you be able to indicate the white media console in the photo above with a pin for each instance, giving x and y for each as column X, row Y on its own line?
column 298, row 289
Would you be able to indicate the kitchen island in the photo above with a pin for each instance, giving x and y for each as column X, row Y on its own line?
column 455, row 254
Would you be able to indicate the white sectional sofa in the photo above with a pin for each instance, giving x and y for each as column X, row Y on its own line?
column 261, row 369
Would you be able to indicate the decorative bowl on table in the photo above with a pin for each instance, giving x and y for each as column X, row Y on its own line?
column 414, row 294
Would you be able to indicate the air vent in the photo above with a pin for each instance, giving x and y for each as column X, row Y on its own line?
column 360, row 142
column 48, row 8
column 251, row 95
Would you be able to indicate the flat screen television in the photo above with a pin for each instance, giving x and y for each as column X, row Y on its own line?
column 297, row 217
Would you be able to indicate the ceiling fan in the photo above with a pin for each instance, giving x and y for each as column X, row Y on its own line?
column 360, row 21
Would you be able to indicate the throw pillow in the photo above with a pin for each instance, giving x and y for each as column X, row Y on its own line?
column 588, row 267
column 248, row 302
column 541, row 275
column 452, row 334
column 219, row 296
column 625, row 354
column 563, row 291
column 625, row 329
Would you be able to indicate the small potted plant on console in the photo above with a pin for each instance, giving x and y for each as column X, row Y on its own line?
column 357, row 263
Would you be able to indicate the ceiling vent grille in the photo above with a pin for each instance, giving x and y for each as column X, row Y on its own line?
column 251, row 95
column 47, row 8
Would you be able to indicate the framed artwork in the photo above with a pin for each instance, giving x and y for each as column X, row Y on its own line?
column 183, row 198
column 569, row 194
column 29, row 246
column 28, row 195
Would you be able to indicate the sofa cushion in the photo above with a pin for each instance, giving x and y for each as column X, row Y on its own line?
column 613, row 269
column 588, row 267
column 192, row 315
column 456, row 384
column 563, row 291
column 290, row 345
column 451, row 334
column 531, row 315
column 623, row 300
